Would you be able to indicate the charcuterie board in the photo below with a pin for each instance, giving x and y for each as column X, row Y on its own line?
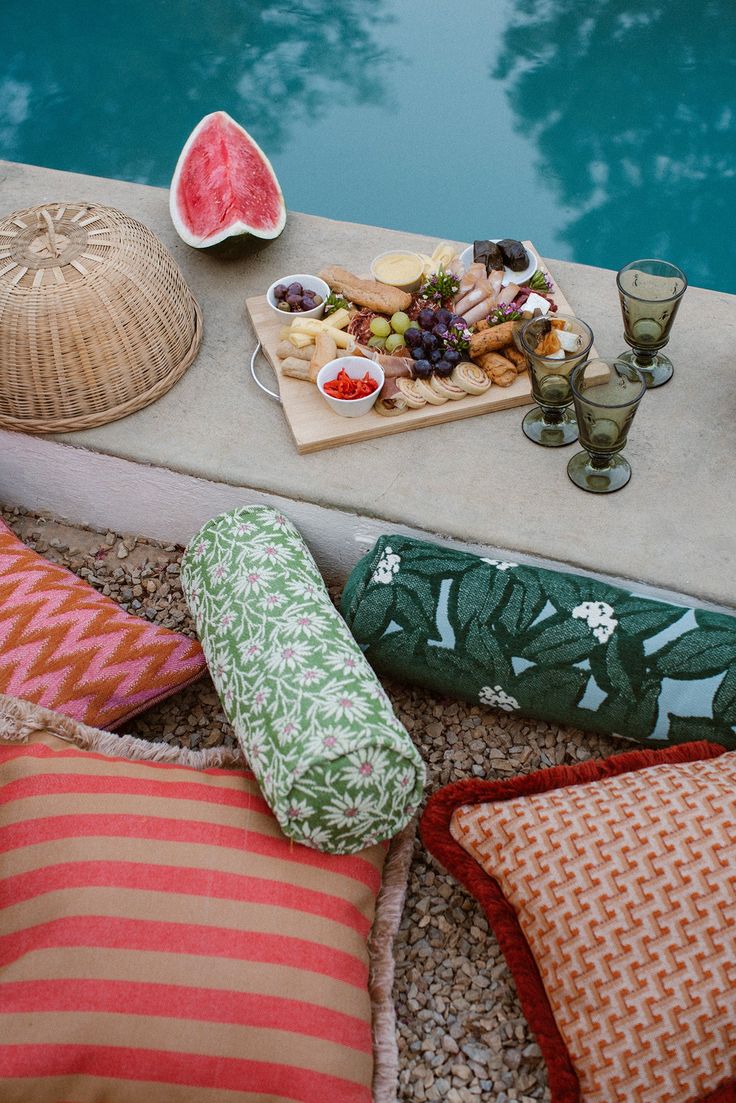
column 314, row 426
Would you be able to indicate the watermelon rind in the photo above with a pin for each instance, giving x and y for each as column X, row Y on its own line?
column 237, row 228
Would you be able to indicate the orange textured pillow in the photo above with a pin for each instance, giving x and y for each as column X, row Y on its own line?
column 67, row 647
column 163, row 941
column 611, row 888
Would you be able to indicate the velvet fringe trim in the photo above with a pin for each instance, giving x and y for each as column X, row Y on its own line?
column 21, row 720
column 436, row 836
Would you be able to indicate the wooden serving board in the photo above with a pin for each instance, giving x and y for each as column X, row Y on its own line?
column 315, row 426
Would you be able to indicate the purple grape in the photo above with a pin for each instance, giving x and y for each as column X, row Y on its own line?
column 413, row 337
column 429, row 340
column 425, row 318
column 435, row 356
column 279, row 291
column 422, row 369
column 417, row 353
column 452, row 356
column 440, row 332
column 295, row 289
column 443, row 368
column 443, row 316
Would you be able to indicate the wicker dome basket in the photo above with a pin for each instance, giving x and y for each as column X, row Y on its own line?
column 96, row 320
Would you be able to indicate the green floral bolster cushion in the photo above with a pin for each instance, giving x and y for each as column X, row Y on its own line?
column 335, row 765
column 555, row 646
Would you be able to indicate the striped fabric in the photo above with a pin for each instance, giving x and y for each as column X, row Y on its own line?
column 161, row 941
column 67, row 647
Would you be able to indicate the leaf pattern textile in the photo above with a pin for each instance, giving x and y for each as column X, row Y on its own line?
column 334, row 763
column 552, row 645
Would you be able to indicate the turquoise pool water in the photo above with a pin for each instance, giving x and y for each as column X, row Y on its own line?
column 602, row 131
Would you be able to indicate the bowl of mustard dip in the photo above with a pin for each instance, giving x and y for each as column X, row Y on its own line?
column 399, row 269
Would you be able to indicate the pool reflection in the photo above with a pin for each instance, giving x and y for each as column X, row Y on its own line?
column 631, row 110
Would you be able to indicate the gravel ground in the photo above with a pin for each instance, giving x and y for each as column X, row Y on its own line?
column 462, row 1035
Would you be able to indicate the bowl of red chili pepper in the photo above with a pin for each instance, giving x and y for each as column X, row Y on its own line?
column 350, row 384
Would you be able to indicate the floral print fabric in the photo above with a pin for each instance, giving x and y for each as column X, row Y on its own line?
column 547, row 644
column 334, row 763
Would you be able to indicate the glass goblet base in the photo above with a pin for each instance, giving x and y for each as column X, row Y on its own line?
column 599, row 476
column 656, row 370
column 551, row 428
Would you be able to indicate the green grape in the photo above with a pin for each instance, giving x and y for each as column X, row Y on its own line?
column 377, row 342
column 400, row 321
column 395, row 341
column 380, row 327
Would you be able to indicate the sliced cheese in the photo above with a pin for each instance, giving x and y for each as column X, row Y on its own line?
column 570, row 342
column 300, row 340
column 313, row 327
column 537, row 302
column 338, row 319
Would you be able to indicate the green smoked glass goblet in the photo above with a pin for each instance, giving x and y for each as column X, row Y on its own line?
column 605, row 409
column 650, row 292
column 552, row 422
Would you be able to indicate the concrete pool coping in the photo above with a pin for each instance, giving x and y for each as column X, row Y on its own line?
column 216, row 440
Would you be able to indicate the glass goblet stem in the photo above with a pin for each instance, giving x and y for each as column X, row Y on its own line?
column 553, row 414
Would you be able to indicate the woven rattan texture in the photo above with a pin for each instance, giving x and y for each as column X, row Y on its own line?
column 96, row 319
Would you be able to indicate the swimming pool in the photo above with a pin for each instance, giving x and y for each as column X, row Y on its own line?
column 603, row 131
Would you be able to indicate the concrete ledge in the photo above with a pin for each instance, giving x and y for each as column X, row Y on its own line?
column 127, row 497
column 479, row 482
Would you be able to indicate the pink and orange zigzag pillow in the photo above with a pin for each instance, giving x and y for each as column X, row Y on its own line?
column 67, row 647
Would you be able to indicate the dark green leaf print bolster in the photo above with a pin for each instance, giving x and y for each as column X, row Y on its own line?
column 555, row 646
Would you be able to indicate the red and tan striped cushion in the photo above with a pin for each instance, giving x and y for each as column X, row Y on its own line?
column 161, row 941
column 67, row 647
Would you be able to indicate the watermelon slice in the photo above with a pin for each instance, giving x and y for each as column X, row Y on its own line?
column 224, row 186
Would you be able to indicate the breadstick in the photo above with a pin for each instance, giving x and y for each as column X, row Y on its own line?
column 285, row 348
column 517, row 358
column 325, row 350
column 491, row 339
column 498, row 368
column 297, row 369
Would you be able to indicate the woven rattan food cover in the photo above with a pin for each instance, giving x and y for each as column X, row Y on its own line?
column 96, row 319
